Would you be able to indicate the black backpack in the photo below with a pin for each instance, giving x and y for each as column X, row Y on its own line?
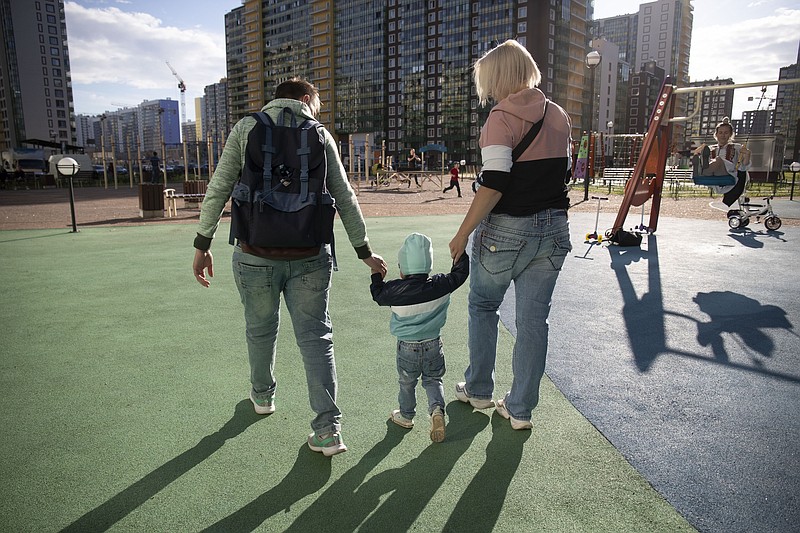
column 281, row 199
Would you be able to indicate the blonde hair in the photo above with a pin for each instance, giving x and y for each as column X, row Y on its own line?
column 505, row 70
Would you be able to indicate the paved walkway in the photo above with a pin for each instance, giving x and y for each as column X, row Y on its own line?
column 684, row 353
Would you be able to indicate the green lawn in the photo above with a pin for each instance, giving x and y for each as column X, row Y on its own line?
column 124, row 388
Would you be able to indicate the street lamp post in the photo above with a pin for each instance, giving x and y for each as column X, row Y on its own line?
column 103, row 148
column 795, row 168
column 69, row 167
column 593, row 59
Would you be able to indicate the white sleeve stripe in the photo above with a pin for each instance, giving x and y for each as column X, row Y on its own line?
column 496, row 157
column 418, row 309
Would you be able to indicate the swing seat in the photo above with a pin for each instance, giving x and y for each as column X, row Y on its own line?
column 714, row 181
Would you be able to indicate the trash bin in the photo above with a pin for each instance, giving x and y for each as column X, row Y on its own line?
column 151, row 200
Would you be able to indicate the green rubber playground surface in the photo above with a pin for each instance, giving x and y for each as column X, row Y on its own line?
column 124, row 407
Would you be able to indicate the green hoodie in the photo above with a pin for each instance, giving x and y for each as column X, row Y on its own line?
column 232, row 161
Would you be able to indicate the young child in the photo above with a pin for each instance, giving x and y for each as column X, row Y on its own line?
column 419, row 310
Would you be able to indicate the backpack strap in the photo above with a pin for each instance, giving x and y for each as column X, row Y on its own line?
column 268, row 149
column 303, row 152
column 529, row 137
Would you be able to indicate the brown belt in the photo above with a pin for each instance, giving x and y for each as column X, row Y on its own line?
column 280, row 254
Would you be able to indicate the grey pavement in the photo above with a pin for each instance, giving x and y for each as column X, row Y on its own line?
column 685, row 354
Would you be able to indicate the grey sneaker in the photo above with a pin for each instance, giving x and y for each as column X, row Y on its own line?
column 705, row 155
column 397, row 417
column 437, row 425
column 329, row 444
column 500, row 409
column 463, row 396
column 263, row 406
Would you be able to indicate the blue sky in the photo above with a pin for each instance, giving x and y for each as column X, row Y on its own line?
column 119, row 48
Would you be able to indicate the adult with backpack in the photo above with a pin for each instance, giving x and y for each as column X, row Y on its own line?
column 283, row 174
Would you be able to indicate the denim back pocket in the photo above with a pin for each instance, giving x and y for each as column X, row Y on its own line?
column 317, row 273
column 253, row 277
column 561, row 247
column 498, row 253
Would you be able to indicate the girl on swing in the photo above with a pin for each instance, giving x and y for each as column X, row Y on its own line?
column 721, row 159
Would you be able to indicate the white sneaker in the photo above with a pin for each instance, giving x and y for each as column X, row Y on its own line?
column 463, row 396
column 264, row 406
column 500, row 409
column 397, row 417
column 437, row 425
column 328, row 444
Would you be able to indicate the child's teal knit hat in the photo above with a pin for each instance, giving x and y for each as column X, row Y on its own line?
column 416, row 255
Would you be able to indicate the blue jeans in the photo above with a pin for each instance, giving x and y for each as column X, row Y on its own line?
column 529, row 251
column 305, row 284
column 415, row 359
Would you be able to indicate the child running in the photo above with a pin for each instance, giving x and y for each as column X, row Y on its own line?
column 419, row 310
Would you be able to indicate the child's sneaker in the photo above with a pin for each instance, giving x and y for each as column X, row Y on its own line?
column 397, row 417
column 501, row 410
column 329, row 444
column 263, row 406
column 437, row 425
column 463, row 396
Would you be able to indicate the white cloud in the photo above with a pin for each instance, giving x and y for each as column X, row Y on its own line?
column 130, row 49
column 748, row 50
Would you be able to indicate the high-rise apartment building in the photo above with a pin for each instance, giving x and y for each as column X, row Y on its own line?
column 655, row 42
column 707, row 108
column 215, row 113
column 200, row 117
column 757, row 122
column 787, row 110
column 644, row 92
column 400, row 71
column 35, row 83
column 159, row 123
column 621, row 30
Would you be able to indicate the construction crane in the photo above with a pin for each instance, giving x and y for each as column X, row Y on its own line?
column 182, row 87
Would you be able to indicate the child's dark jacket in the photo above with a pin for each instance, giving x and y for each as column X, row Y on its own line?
column 419, row 303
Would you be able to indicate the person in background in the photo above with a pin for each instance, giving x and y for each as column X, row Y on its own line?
column 454, row 179
column 725, row 157
column 413, row 165
column 520, row 233
column 155, row 167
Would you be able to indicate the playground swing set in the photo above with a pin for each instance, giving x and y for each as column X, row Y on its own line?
column 647, row 178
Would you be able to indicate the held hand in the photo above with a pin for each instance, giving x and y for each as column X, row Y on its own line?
column 457, row 247
column 744, row 155
column 203, row 260
column 376, row 264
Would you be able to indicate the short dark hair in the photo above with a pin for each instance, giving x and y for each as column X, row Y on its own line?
column 295, row 88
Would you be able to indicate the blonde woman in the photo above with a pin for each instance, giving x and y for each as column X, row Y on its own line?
column 518, row 220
